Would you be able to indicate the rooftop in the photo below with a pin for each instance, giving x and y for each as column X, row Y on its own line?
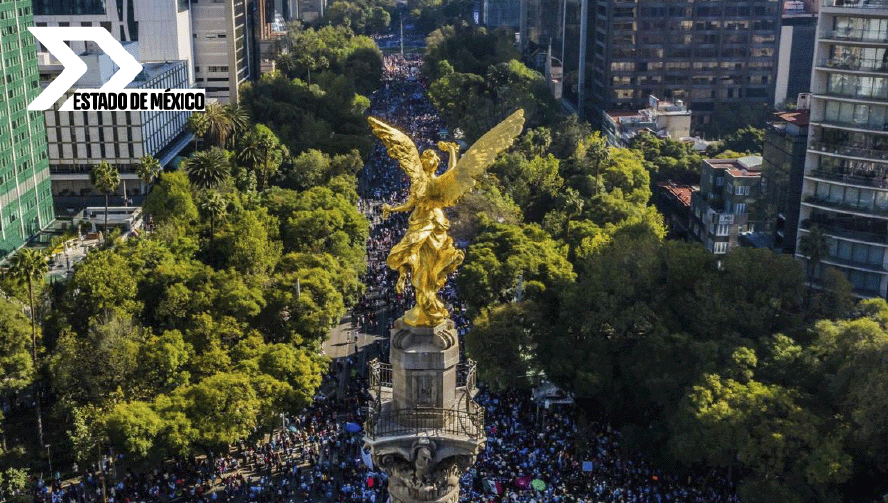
column 681, row 192
column 797, row 117
column 750, row 165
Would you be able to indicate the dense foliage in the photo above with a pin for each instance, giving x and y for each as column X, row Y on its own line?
column 316, row 99
column 704, row 362
column 477, row 80
column 198, row 334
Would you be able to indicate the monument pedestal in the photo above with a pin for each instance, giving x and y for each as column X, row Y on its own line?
column 423, row 428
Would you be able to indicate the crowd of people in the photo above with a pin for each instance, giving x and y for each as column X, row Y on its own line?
column 527, row 444
column 531, row 453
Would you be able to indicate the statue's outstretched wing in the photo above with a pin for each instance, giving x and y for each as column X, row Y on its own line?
column 402, row 149
column 450, row 186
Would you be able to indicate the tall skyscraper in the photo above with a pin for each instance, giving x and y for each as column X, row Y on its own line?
column 845, row 189
column 25, row 198
column 222, row 47
column 162, row 27
column 704, row 53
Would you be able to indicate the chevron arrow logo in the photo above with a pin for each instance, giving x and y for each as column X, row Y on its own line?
column 54, row 37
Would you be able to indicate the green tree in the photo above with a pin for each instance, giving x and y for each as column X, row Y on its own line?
column 134, row 426
column 591, row 158
column 29, row 266
column 765, row 428
column 477, row 102
column 668, row 159
column 468, row 49
column 16, row 359
column 814, row 246
column 105, row 178
column 213, row 205
column 506, row 256
column 308, row 170
column 86, row 433
column 748, row 140
column 13, row 484
column 198, row 124
column 297, row 367
column 328, row 118
column 321, row 221
column 171, row 202
column 223, row 408
column 503, row 339
column 103, row 283
column 850, row 364
column 532, row 183
column 303, row 305
column 218, row 125
column 251, row 248
column 208, row 168
column 837, row 294
column 262, row 150
column 148, row 169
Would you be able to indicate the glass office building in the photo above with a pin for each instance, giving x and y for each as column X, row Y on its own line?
column 25, row 198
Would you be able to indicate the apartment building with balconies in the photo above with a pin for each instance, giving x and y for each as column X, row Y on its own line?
column 845, row 188
column 729, row 193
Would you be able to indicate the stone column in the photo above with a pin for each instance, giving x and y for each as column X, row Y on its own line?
column 424, row 431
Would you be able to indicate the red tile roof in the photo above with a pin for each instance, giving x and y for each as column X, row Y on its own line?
column 797, row 117
column 681, row 192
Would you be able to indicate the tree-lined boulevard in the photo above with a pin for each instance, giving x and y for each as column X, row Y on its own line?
column 222, row 354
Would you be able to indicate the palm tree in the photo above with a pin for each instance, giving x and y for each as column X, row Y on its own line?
column 257, row 150
column 208, row 168
column 219, row 125
column 239, row 119
column 147, row 169
column 30, row 265
column 573, row 207
column 814, row 245
column 198, row 125
column 250, row 150
column 286, row 64
column 105, row 178
column 213, row 205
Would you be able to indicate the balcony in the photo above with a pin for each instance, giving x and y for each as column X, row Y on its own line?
column 855, row 92
column 862, row 181
column 381, row 380
column 868, row 209
column 854, row 64
column 853, row 264
column 848, row 151
column 854, row 35
column 425, row 421
column 841, row 232
column 857, row 4
column 866, row 127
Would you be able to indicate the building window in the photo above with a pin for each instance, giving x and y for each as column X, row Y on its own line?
column 721, row 247
column 722, row 230
column 740, row 208
column 742, row 190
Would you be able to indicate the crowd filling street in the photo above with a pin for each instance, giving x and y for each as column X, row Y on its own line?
column 317, row 456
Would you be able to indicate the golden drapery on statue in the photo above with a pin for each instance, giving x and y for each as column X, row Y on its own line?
column 426, row 251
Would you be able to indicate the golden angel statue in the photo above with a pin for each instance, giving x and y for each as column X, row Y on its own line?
column 426, row 251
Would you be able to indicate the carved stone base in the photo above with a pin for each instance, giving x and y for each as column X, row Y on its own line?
column 425, row 478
